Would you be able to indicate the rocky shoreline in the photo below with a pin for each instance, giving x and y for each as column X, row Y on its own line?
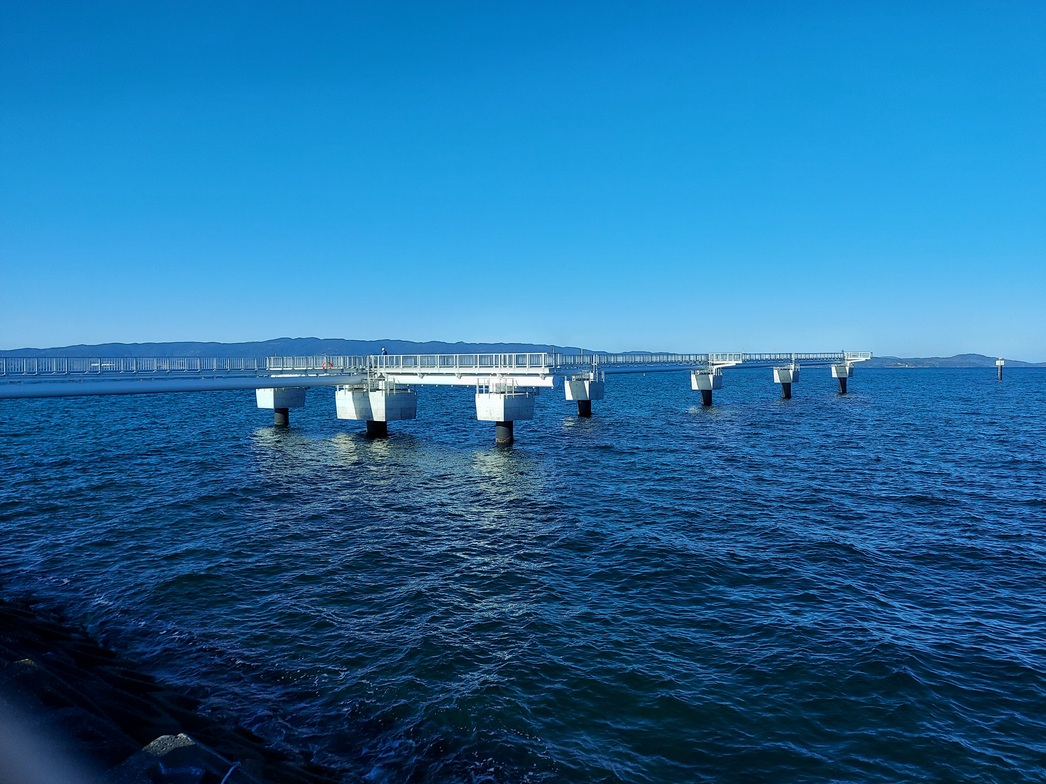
column 72, row 711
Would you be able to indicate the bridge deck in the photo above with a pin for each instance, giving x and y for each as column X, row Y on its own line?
column 74, row 376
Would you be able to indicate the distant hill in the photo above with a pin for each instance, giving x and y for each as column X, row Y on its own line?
column 285, row 347
column 958, row 361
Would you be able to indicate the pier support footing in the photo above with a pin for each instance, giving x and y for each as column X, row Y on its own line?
column 584, row 388
column 280, row 400
column 503, row 433
column 377, row 403
column 503, row 407
column 842, row 372
column 786, row 376
column 706, row 380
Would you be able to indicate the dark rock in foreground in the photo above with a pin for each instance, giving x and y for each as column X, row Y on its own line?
column 72, row 711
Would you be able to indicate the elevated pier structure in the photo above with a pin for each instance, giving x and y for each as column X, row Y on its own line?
column 380, row 389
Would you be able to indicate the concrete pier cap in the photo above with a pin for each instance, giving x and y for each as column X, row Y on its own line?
column 505, row 406
column 786, row 376
column 280, row 400
column 377, row 403
column 842, row 372
column 705, row 380
column 503, row 403
column 584, row 389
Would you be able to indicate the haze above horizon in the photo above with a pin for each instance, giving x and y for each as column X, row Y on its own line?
column 677, row 177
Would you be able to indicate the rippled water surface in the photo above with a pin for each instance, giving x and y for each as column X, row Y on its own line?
column 832, row 587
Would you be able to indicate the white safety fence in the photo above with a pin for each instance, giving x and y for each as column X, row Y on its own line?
column 467, row 364
column 452, row 363
column 98, row 366
column 575, row 360
column 321, row 363
column 700, row 360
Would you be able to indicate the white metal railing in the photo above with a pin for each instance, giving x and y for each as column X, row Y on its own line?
column 329, row 363
column 574, row 360
column 471, row 364
column 786, row 356
column 460, row 363
column 721, row 358
column 726, row 358
column 100, row 366
column 505, row 386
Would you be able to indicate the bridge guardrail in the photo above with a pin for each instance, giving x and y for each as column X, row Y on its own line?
column 720, row 358
column 420, row 363
column 315, row 363
column 569, row 360
column 101, row 366
column 50, row 367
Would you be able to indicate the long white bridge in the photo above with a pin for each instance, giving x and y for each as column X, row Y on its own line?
column 379, row 389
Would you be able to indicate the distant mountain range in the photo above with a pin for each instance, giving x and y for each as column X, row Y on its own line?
column 312, row 347
column 958, row 361
column 284, row 347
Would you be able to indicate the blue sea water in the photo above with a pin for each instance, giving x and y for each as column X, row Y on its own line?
column 829, row 588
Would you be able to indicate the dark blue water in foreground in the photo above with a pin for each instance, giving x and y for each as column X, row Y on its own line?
column 828, row 588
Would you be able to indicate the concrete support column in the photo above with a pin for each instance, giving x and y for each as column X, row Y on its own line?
column 504, row 405
column 786, row 376
column 706, row 381
column 584, row 388
column 281, row 400
column 503, row 433
column 842, row 372
column 377, row 429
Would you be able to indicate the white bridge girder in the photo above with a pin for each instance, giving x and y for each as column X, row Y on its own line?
column 471, row 380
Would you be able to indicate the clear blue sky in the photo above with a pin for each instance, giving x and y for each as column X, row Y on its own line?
column 678, row 176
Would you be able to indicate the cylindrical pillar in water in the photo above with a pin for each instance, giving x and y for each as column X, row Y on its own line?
column 503, row 432
column 584, row 408
column 786, row 390
column 842, row 385
column 377, row 429
column 281, row 417
column 706, row 397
